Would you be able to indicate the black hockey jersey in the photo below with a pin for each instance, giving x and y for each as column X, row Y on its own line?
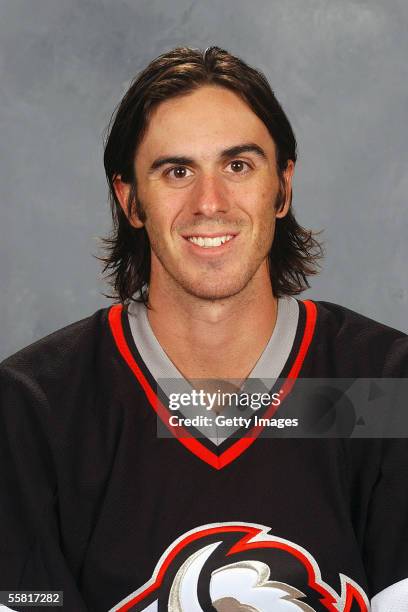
column 95, row 504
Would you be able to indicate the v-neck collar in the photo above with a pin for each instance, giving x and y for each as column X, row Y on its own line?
column 269, row 364
column 261, row 379
column 230, row 449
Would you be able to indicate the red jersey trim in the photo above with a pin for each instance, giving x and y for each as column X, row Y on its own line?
column 193, row 444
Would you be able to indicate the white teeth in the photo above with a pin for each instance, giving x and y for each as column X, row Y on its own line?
column 208, row 243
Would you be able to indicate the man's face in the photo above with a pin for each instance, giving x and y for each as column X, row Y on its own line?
column 207, row 183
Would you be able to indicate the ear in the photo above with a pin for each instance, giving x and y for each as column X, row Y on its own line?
column 287, row 176
column 123, row 192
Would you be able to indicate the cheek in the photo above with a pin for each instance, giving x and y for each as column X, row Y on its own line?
column 264, row 192
column 162, row 216
column 264, row 220
column 266, row 208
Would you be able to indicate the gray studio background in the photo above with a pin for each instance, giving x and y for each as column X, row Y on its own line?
column 338, row 67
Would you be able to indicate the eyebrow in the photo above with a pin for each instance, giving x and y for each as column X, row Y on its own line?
column 235, row 151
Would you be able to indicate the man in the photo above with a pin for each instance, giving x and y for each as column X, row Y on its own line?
column 205, row 258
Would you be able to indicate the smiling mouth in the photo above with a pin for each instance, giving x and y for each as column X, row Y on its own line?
column 209, row 242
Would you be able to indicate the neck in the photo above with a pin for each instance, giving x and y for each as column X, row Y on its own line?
column 220, row 339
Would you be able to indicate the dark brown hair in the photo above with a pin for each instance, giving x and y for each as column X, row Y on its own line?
column 295, row 251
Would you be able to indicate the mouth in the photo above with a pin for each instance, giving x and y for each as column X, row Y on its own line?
column 210, row 241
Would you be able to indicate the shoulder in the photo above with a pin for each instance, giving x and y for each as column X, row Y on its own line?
column 379, row 349
column 59, row 387
column 57, row 352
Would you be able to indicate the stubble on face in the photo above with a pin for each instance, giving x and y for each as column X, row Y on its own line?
column 195, row 285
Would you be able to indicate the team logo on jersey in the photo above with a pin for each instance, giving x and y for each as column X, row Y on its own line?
column 240, row 567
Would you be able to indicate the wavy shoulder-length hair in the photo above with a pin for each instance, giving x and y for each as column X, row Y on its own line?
column 295, row 252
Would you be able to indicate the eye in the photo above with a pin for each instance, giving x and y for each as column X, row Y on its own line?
column 178, row 172
column 238, row 166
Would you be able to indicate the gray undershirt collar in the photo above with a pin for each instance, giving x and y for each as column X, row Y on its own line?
column 269, row 365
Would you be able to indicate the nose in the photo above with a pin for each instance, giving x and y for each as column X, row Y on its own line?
column 210, row 196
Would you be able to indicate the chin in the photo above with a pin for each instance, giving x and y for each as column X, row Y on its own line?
column 216, row 290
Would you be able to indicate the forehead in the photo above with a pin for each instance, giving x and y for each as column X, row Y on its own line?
column 202, row 123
